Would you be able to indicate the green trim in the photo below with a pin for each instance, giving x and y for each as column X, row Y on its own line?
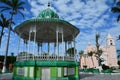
column 52, row 63
column 15, row 71
column 76, row 70
column 53, row 72
column 38, row 72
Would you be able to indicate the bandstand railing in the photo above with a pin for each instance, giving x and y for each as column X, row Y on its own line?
column 44, row 57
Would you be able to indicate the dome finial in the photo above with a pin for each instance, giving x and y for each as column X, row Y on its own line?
column 48, row 4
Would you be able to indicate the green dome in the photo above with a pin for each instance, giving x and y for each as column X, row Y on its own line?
column 47, row 13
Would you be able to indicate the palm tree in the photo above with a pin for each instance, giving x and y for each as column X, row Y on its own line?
column 85, row 56
column 4, row 23
column 117, row 10
column 99, row 51
column 70, row 51
column 81, row 54
column 91, row 54
column 118, row 62
column 118, row 37
column 14, row 7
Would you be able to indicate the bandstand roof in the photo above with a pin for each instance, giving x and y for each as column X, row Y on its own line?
column 46, row 25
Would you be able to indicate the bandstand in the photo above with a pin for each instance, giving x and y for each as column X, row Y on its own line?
column 56, row 36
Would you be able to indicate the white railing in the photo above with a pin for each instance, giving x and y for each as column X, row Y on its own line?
column 45, row 57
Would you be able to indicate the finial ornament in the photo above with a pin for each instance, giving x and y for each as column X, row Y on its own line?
column 48, row 4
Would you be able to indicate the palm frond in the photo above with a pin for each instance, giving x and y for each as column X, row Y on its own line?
column 21, row 14
column 118, row 37
column 115, row 9
column 21, row 8
column 6, row 2
column 3, row 8
column 118, row 4
column 118, row 18
column 81, row 52
column 21, row 3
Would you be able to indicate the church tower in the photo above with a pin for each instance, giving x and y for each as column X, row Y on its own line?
column 110, row 41
column 111, row 51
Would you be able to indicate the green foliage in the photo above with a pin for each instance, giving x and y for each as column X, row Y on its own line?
column 70, row 51
column 4, row 23
column 14, row 6
column 81, row 54
column 118, row 63
column 99, row 51
column 91, row 53
column 119, row 37
column 10, row 60
column 116, row 9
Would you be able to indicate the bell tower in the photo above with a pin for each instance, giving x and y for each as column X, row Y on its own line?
column 110, row 41
column 111, row 51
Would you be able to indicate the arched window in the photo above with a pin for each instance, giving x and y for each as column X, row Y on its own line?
column 111, row 42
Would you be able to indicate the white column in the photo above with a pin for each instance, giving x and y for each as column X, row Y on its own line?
column 41, row 49
column 26, row 49
column 18, row 46
column 34, row 44
column 54, row 48
column 74, row 48
column 29, row 44
column 57, row 44
column 48, row 49
column 63, row 49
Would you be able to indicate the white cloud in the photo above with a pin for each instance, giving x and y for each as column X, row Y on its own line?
column 92, row 15
column 90, row 18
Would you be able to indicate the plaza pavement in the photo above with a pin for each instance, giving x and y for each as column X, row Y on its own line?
column 6, row 76
column 107, row 76
column 83, row 76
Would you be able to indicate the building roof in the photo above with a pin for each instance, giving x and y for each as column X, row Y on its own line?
column 47, row 13
column 109, row 36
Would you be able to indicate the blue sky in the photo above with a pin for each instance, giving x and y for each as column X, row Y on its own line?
column 90, row 16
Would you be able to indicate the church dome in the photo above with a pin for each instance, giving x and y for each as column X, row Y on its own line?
column 47, row 13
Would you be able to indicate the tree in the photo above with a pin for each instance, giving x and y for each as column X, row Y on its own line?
column 99, row 51
column 116, row 9
column 91, row 54
column 70, row 51
column 85, row 56
column 81, row 54
column 118, row 37
column 118, row 63
column 4, row 23
column 14, row 7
